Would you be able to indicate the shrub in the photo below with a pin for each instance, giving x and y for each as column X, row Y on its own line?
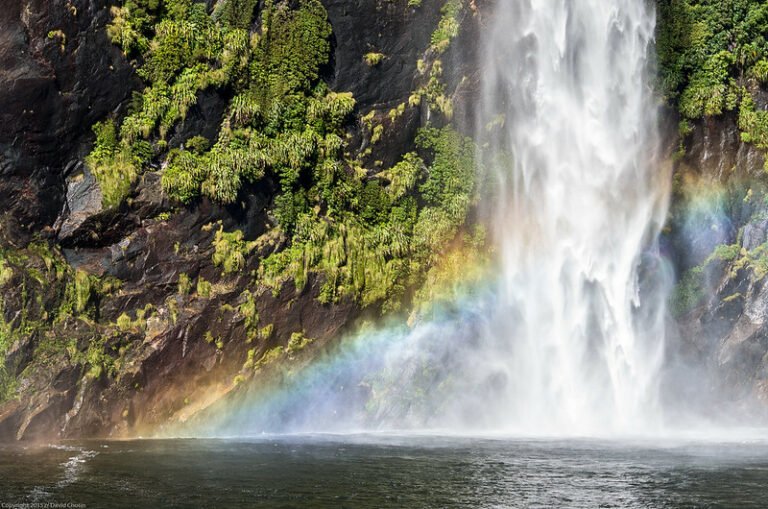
column 124, row 322
column 203, row 287
column 197, row 144
column 373, row 59
column 708, row 52
column 230, row 250
column 185, row 284
column 269, row 357
column 6, row 273
column 448, row 27
column 248, row 309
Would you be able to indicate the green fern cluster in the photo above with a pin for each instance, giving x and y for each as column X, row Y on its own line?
column 382, row 235
column 278, row 120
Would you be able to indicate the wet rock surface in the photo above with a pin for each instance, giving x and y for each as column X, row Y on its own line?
column 726, row 332
column 170, row 352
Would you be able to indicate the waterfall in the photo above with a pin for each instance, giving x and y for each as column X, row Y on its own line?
column 566, row 97
column 568, row 339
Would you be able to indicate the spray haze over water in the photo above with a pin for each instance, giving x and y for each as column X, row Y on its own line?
column 564, row 341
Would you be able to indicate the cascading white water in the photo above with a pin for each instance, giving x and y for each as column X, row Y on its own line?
column 567, row 341
column 565, row 96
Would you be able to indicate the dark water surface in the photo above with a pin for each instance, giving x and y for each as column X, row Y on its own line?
column 385, row 471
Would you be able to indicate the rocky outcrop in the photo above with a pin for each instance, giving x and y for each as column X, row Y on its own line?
column 715, row 239
column 170, row 351
column 59, row 75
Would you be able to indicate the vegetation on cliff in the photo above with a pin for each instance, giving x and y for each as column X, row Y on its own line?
column 713, row 61
column 371, row 236
column 713, row 58
column 360, row 231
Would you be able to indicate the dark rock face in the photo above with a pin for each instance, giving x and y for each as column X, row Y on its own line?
column 60, row 74
column 726, row 334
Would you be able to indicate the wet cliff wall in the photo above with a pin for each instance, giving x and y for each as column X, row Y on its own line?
column 128, row 305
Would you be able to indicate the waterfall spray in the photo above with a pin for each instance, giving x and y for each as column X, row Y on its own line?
column 564, row 341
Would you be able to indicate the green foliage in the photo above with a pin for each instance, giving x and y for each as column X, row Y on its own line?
column 98, row 360
column 448, row 28
column 132, row 24
column 173, row 308
column 197, row 144
column 230, row 250
column 6, row 273
column 402, row 177
column 9, row 384
column 185, row 284
column 266, row 331
column 124, row 322
column 369, row 238
column 374, row 240
column 83, row 290
column 203, row 287
column 269, row 357
column 278, row 120
column 51, row 291
column 710, row 54
column 755, row 260
column 452, row 173
column 373, row 59
column 114, row 164
column 753, row 124
column 297, row 342
column 237, row 13
column 434, row 93
column 248, row 309
column 687, row 293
